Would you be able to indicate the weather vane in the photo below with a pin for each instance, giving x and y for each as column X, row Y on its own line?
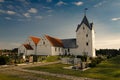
column 85, row 11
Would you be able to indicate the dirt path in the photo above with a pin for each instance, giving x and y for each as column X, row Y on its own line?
column 28, row 74
column 56, row 75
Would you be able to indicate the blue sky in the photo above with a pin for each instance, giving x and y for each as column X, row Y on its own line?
column 20, row 19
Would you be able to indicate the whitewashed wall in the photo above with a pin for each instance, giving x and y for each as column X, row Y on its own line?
column 22, row 49
column 82, row 40
column 44, row 47
column 57, row 50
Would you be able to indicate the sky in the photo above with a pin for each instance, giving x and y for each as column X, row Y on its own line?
column 20, row 19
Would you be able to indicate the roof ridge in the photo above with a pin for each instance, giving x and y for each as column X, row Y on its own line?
column 54, row 41
column 28, row 46
column 35, row 39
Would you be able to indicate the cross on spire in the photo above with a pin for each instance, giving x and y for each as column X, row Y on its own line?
column 85, row 11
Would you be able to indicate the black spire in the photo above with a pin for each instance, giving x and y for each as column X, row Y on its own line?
column 85, row 11
column 85, row 21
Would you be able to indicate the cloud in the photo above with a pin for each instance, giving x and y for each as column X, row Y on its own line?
column 32, row 10
column 27, row 15
column 79, row 3
column 50, row 11
column 49, row 15
column 49, row 0
column 115, row 19
column 21, row 20
column 109, row 42
column 8, row 12
column 46, row 7
column 10, row 7
column 100, row 4
column 8, row 18
column 11, row 12
column 61, row 3
column 2, row 11
column 1, row 0
column 38, row 17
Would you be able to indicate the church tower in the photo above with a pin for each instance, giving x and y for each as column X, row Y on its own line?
column 85, row 38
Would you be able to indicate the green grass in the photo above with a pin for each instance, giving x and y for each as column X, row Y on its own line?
column 107, row 70
column 51, row 58
column 46, row 77
column 9, row 77
column 6, row 76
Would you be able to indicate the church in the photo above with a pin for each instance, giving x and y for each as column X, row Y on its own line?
column 83, row 44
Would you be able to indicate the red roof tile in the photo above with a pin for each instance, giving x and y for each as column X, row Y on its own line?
column 54, row 41
column 35, row 40
column 28, row 47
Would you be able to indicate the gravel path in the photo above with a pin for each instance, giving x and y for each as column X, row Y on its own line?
column 56, row 75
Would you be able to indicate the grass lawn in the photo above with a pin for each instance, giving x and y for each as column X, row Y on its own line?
column 107, row 70
column 24, row 75
column 9, row 77
column 46, row 77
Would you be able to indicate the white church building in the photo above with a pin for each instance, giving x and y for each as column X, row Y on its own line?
column 83, row 44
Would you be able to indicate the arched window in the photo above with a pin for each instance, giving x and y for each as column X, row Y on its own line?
column 86, row 43
column 86, row 35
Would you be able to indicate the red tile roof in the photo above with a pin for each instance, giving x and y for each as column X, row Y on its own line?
column 54, row 41
column 28, row 47
column 35, row 39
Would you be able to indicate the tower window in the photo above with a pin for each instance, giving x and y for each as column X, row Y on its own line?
column 86, row 43
column 86, row 35
column 83, row 28
column 43, row 43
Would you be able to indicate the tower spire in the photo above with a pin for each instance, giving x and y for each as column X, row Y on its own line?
column 85, row 11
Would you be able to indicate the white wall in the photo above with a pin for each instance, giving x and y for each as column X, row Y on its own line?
column 82, row 40
column 22, row 49
column 57, row 50
column 44, row 47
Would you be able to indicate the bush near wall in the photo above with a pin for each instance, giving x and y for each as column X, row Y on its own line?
column 52, row 58
column 4, row 60
column 95, row 61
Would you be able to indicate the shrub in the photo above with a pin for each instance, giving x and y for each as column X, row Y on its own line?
column 4, row 60
column 92, row 64
column 52, row 58
column 95, row 61
column 83, row 58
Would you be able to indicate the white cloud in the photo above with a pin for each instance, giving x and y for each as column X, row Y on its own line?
column 115, row 19
column 61, row 3
column 38, row 17
column 50, row 11
column 27, row 15
column 108, row 42
column 100, row 4
column 2, row 11
column 46, row 7
column 1, row 0
column 49, row 15
column 21, row 0
column 21, row 20
column 32, row 10
column 8, row 18
column 11, row 12
column 10, row 7
column 49, row 0
column 78, row 3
